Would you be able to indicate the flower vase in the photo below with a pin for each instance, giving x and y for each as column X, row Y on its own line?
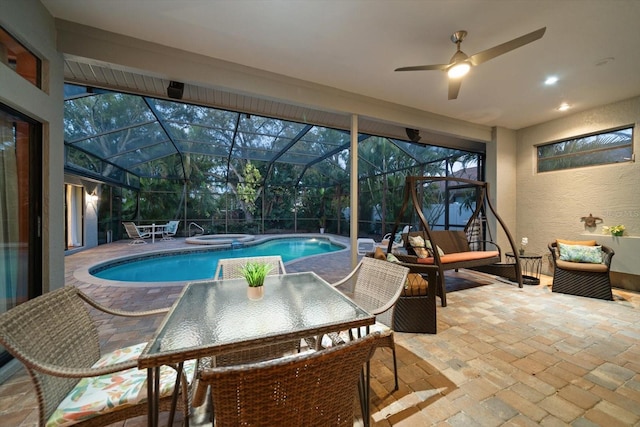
column 255, row 293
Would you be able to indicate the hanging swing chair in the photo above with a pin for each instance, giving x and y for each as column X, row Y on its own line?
column 453, row 249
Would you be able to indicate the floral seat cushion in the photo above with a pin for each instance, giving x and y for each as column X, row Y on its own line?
column 105, row 393
column 338, row 338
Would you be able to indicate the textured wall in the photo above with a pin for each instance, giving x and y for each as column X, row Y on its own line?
column 550, row 204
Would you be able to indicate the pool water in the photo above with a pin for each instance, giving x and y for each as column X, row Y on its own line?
column 200, row 265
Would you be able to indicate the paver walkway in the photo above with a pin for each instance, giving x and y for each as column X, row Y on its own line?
column 502, row 355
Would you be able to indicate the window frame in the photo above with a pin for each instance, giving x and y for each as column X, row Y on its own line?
column 581, row 154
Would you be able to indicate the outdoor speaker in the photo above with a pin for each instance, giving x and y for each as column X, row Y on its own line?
column 175, row 90
column 413, row 134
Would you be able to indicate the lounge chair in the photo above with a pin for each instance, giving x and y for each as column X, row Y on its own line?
column 170, row 230
column 366, row 245
column 135, row 233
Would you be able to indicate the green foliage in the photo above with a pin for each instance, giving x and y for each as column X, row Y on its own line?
column 248, row 189
column 255, row 272
column 229, row 171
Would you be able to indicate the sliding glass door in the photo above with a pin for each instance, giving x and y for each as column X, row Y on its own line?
column 20, row 210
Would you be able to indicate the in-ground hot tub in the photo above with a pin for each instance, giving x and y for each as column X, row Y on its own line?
column 221, row 240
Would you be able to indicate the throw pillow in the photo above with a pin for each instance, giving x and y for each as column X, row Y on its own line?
column 419, row 247
column 422, row 248
column 379, row 254
column 577, row 242
column 581, row 253
column 415, row 286
column 430, row 248
column 574, row 242
column 392, row 258
column 416, row 241
column 421, row 252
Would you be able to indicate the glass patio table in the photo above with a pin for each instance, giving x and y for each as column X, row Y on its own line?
column 216, row 316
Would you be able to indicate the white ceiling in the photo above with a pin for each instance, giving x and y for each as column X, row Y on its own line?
column 354, row 45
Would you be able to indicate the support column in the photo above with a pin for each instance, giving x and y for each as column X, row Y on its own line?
column 353, row 208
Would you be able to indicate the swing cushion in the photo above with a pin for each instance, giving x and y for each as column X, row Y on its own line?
column 461, row 257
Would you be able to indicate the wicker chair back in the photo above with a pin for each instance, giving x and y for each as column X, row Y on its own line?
column 313, row 389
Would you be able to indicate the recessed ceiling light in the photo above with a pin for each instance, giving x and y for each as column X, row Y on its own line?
column 564, row 107
column 551, row 80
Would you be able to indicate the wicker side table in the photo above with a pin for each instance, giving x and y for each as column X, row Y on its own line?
column 531, row 265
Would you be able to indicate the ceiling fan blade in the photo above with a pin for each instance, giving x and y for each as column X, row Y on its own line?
column 503, row 48
column 423, row 67
column 454, row 88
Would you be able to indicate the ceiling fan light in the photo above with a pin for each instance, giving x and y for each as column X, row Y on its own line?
column 459, row 70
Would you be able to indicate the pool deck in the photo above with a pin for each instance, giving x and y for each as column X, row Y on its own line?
column 145, row 296
column 503, row 356
column 328, row 266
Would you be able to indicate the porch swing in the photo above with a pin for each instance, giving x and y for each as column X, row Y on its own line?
column 454, row 249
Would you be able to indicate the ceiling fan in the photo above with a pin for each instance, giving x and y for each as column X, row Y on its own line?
column 460, row 63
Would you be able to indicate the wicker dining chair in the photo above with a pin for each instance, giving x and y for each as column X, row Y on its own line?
column 312, row 389
column 231, row 268
column 375, row 285
column 57, row 341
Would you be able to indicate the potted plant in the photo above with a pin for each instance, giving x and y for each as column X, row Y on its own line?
column 322, row 222
column 254, row 273
column 616, row 230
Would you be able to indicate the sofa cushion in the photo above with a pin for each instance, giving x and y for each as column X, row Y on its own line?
column 580, row 253
column 582, row 266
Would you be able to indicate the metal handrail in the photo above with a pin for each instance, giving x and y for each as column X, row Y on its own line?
column 196, row 226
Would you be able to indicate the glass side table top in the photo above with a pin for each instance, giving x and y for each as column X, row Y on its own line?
column 213, row 317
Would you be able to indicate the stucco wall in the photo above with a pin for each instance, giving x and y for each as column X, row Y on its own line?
column 500, row 171
column 551, row 204
column 30, row 22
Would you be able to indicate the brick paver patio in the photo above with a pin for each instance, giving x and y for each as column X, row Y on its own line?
column 502, row 355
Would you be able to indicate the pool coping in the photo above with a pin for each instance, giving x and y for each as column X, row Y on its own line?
column 83, row 273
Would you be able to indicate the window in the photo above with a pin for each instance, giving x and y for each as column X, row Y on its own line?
column 17, row 57
column 611, row 146
column 20, row 211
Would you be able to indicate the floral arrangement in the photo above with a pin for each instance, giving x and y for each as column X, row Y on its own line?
column 255, row 272
column 615, row 230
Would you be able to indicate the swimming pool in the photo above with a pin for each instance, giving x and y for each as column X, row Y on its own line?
column 180, row 266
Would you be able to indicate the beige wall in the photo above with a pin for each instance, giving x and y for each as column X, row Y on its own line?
column 500, row 173
column 30, row 22
column 550, row 204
